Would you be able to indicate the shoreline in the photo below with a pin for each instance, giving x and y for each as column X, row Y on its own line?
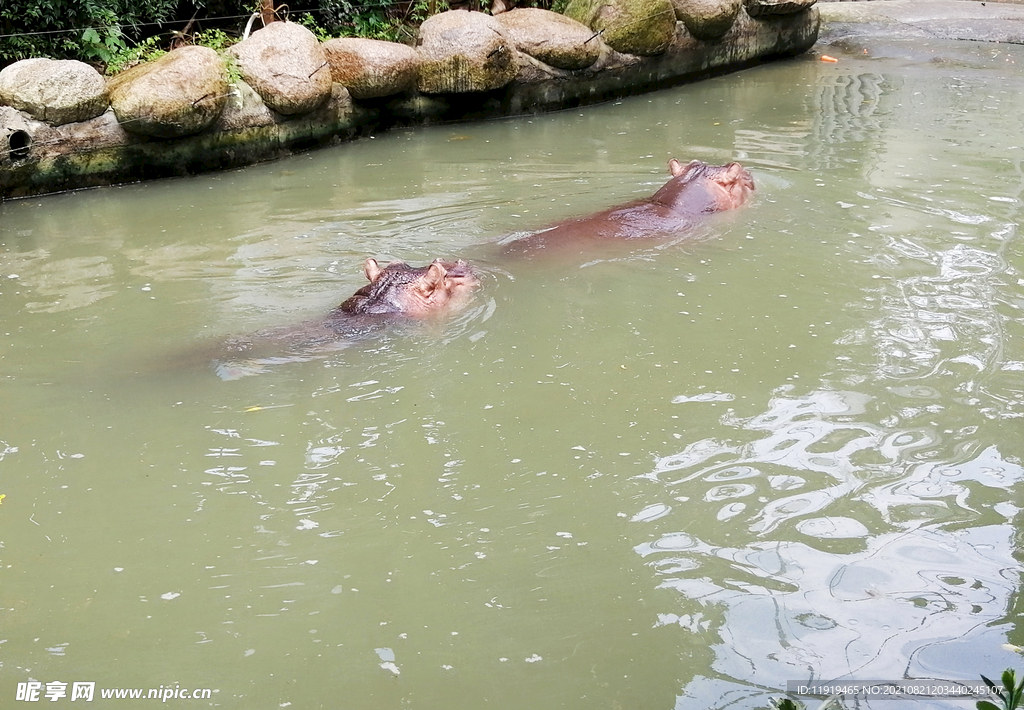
column 37, row 158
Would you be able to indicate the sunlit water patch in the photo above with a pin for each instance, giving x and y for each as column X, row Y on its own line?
column 874, row 566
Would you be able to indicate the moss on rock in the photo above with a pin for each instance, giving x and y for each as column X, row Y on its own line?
column 642, row 27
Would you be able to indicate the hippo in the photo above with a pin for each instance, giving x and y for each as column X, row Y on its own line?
column 696, row 189
column 402, row 290
column 396, row 292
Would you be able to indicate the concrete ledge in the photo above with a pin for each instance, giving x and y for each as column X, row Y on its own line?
column 970, row 20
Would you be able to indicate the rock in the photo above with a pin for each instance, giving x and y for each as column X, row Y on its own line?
column 55, row 91
column 756, row 8
column 370, row 68
column 707, row 19
column 462, row 51
column 177, row 94
column 552, row 38
column 287, row 67
column 643, row 27
column 244, row 109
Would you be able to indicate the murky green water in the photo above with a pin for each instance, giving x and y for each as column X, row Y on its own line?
column 670, row 477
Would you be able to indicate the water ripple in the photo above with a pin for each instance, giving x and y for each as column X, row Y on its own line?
column 845, row 567
column 814, row 454
column 931, row 323
column 807, row 613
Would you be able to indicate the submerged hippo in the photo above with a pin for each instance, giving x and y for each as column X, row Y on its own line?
column 402, row 290
column 695, row 189
column 395, row 292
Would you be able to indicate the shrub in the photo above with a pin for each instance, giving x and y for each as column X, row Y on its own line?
column 89, row 30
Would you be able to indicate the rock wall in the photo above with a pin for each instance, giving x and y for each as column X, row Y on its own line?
column 62, row 126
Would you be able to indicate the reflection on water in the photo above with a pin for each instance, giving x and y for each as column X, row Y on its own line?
column 902, row 564
column 876, row 568
column 793, row 611
column 674, row 475
column 945, row 322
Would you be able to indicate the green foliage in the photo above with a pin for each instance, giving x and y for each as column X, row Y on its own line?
column 89, row 30
column 127, row 57
column 215, row 39
column 231, row 67
column 422, row 9
column 153, row 47
column 785, row 704
column 118, row 34
column 104, row 42
column 391, row 21
column 831, row 702
column 343, row 18
column 1010, row 694
column 419, row 11
column 309, row 22
column 374, row 24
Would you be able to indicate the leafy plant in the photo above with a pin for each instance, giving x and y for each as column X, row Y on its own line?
column 1010, row 694
column 215, row 39
column 422, row 9
column 790, row 704
column 349, row 20
column 231, row 67
column 104, row 46
column 89, row 30
column 418, row 12
column 127, row 57
column 387, row 20
column 785, row 704
column 309, row 22
column 120, row 33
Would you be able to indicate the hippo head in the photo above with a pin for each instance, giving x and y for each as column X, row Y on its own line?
column 699, row 187
column 400, row 289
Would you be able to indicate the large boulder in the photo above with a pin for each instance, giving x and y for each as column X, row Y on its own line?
column 370, row 68
column 177, row 94
column 756, row 8
column 554, row 39
column 707, row 19
column 287, row 67
column 463, row 51
column 643, row 27
column 57, row 91
column 244, row 110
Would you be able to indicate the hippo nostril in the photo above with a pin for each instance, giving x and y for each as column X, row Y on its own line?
column 18, row 143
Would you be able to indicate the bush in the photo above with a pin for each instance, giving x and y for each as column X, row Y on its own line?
column 114, row 34
column 89, row 30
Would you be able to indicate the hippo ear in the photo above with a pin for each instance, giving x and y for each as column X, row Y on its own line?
column 433, row 278
column 677, row 169
column 733, row 171
column 372, row 269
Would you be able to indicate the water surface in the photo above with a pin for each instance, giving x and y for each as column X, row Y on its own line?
column 675, row 475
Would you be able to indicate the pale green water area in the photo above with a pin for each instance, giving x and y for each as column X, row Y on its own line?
column 668, row 476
